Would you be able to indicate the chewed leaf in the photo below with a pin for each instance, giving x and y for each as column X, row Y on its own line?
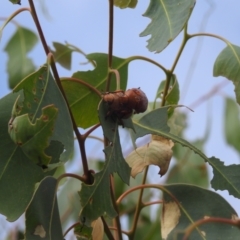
column 33, row 138
column 42, row 214
column 225, row 177
column 34, row 87
column 157, row 152
column 37, row 91
column 168, row 20
column 227, row 64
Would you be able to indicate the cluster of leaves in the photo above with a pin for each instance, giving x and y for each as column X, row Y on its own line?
column 38, row 119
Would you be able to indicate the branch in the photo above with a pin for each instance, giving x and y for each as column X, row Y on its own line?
column 57, row 79
column 110, row 44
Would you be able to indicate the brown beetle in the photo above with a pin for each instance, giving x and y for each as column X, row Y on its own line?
column 123, row 104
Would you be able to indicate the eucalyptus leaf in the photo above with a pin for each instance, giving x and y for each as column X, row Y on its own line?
column 226, row 177
column 42, row 215
column 168, row 19
column 63, row 55
column 173, row 94
column 18, row 174
column 185, row 204
column 33, row 137
column 155, row 123
column 19, row 65
column 232, row 123
column 40, row 90
column 227, row 65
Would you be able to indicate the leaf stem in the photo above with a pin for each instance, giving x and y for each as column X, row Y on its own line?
column 11, row 17
column 152, row 203
column 57, row 79
column 92, row 88
column 210, row 220
column 147, row 60
column 209, row 35
column 139, row 207
column 72, row 175
column 117, row 75
column 70, row 228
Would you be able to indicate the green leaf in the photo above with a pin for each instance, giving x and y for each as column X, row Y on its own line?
column 168, row 20
column 63, row 55
column 40, row 90
column 19, row 65
column 173, row 94
column 33, row 137
column 232, row 123
column 42, row 215
column 227, row 65
column 125, row 3
column 84, row 102
column 15, row 1
column 225, row 177
column 92, row 208
column 68, row 201
column 185, row 204
column 18, row 174
column 155, row 123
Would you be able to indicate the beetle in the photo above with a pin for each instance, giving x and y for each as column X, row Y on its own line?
column 122, row 104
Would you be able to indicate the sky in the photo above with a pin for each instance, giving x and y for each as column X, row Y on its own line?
column 85, row 24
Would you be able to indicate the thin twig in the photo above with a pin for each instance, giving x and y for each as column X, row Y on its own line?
column 170, row 72
column 86, row 134
column 107, row 230
column 117, row 218
column 56, row 76
column 110, row 44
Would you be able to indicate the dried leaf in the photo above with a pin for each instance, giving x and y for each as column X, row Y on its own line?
column 170, row 218
column 98, row 230
column 157, row 152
